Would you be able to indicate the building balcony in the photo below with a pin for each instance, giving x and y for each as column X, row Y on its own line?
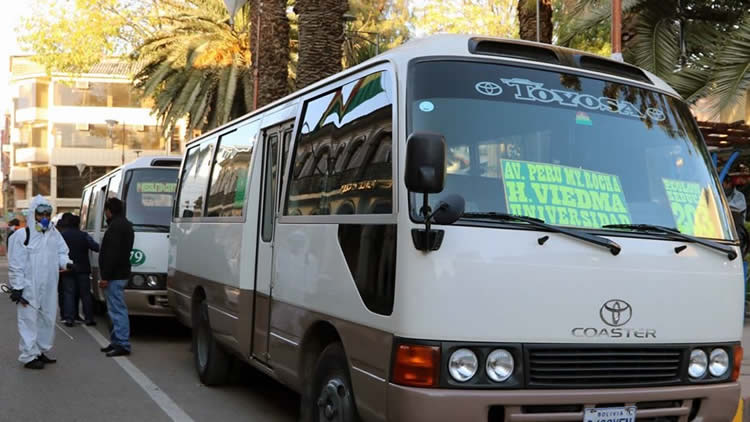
column 19, row 175
column 32, row 155
column 32, row 114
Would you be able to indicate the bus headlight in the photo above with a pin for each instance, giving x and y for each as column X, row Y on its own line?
column 500, row 365
column 719, row 362
column 462, row 365
column 152, row 281
column 138, row 280
column 698, row 363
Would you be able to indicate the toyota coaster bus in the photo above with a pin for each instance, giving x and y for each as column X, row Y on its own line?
column 146, row 186
column 466, row 229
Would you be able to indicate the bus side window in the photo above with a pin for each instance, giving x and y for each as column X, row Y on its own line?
column 95, row 207
column 85, row 198
column 194, row 180
column 113, row 191
column 229, row 177
column 360, row 128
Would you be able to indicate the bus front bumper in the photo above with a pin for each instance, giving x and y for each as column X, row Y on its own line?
column 148, row 302
column 704, row 403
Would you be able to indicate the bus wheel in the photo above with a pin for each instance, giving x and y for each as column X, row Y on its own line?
column 211, row 361
column 332, row 395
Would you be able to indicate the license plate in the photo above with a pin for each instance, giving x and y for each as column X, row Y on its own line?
column 610, row 414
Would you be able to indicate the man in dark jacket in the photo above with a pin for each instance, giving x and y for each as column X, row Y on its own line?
column 75, row 283
column 114, row 267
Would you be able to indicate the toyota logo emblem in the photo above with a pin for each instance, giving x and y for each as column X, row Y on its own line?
column 489, row 88
column 616, row 312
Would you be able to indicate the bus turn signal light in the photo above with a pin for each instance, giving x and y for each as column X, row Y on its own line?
column 738, row 352
column 416, row 366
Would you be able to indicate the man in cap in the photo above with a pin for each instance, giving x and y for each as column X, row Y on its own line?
column 35, row 257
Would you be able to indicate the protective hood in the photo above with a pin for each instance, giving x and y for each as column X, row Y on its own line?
column 35, row 202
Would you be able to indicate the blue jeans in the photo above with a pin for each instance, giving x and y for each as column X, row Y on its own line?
column 75, row 286
column 118, row 313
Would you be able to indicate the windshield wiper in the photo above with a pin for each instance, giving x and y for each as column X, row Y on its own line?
column 613, row 247
column 731, row 254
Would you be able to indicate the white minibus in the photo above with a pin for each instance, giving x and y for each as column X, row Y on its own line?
column 466, row 229
column 147, row 187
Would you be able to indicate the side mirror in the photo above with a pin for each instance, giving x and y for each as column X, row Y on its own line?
column 450, row 209
column 425, row 163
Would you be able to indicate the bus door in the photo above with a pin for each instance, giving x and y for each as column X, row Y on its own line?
column 273, row 138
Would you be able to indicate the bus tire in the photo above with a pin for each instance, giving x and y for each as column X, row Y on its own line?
column 211, row 361
column 331, row 397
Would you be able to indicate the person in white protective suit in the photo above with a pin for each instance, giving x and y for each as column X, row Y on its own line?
column 35, row 257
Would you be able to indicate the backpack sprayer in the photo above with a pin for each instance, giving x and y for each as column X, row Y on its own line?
column 22, row 301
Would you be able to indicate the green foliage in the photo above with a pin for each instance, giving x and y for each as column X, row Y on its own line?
column 376, row 27
column 70, row 36
column 595, row 39
column 483, row 17
column 716, row 60
column 197, row 65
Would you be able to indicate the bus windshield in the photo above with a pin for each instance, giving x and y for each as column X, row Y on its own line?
column 149, row 194
column 570, row 150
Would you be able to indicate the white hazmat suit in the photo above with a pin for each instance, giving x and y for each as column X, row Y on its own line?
column 35, row 269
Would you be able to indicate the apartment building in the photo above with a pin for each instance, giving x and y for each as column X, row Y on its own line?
column 66, row 130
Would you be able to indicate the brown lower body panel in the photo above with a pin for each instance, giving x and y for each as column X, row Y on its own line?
column 718, row 403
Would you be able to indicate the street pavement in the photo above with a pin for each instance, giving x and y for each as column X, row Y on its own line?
column 156, row 383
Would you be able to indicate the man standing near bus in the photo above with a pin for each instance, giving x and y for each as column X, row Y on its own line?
column 75, row 283
column 114, row 267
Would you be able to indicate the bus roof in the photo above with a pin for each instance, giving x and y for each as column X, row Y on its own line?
column 510, row 50
column 152, row 161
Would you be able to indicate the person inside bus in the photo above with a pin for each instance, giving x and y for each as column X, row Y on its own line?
column 75, row 283
column 114, row 266
column 35, row 257
column 736, row 199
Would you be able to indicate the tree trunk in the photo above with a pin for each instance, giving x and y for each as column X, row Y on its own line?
column 321, row 38
column 272, row 60
column 527, row 20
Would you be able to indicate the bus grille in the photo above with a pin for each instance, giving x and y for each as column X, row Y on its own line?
column 560, row 367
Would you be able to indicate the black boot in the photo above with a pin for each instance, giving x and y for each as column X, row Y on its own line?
column 46, row 359
column 34, row 364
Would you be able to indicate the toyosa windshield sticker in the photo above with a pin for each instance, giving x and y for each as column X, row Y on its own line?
column 693, row 208
column 567, row 196
column 526, row 90
column 488, row 88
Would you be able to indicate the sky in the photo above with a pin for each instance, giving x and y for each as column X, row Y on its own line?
column 9, row 20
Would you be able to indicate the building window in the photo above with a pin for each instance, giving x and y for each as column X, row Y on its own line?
column 96, row 94
column 34, row 135
column 141, row 137
column 68, row 135
column 33, row 95
column 70, row 182
column 342, row 160
column 40, row 181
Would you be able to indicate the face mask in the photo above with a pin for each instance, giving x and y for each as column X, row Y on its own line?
column 44, row 222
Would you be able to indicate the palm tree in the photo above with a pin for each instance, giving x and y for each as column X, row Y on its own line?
column 273, row 55
column 374, row 27
column 700, row 47
column 527, row 20
column 321, row 36
column 198, row 65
